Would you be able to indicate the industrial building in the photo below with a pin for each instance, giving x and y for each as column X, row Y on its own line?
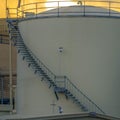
column 62, row 60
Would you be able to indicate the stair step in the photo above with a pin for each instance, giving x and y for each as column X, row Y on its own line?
column 37, row 70
column 59, row 89
column 26, row 55
column 30, row 61
column 34, row 64
column 20, row 44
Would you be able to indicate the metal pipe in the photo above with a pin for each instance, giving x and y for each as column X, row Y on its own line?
column 19, row 3
column 2, row 91
column 10, row 71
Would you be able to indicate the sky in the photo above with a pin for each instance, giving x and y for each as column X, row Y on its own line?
column 14, row 3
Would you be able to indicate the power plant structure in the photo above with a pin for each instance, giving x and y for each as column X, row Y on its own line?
column 67, row 59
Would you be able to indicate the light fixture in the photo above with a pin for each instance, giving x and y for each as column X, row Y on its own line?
column 60, row 49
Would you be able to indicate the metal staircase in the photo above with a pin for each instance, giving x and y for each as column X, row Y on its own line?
column 60, row 84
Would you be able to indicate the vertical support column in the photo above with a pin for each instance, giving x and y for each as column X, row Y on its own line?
column 6, row 10
column 60, row 81
column 84, row 8
column 58, row 9
column 10, row 70
column 19, row 3
column 109, row 7
column 53, row 107
column 2, row 94
column 60, row 51
column 14, row 102
column 36, row 9
column 1, row 89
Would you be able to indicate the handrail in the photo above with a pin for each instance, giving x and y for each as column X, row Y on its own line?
column 91, row 103
column 42, row 65
column 107, row 8
column 11, row 12
column 85, row 100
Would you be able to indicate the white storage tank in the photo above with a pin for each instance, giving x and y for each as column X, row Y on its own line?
column 90, row 58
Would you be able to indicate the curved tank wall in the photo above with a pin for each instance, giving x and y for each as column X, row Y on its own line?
column 90, row 58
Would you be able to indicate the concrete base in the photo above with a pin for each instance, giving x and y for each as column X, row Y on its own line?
column 77, row 116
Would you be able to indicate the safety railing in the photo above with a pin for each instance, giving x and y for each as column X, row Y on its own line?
column 11, row 12
column 79, row 95
column 58, row 8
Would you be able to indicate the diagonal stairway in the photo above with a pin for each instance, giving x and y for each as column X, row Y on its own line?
column 60, row 84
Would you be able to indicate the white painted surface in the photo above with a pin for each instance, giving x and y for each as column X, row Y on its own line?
column 34, row 97
column 91, row 59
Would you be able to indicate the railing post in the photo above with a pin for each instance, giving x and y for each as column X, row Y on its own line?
column 7, row 13
column 22, row 11
column 109, row 7
column 65, row 82
column 84, row 8
column 17, row 12
column 58, row 9
column 2, row 91
column 10, row 72
column 36, row 8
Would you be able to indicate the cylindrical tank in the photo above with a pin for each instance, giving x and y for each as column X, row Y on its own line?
column 90, row 58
